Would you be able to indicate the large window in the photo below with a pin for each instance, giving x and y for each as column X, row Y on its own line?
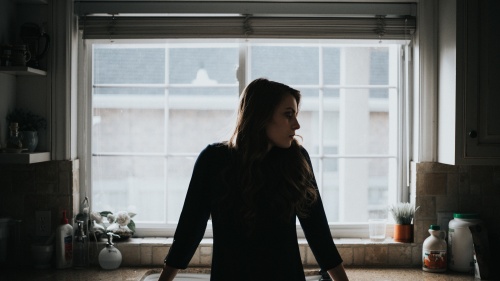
column 155, row 106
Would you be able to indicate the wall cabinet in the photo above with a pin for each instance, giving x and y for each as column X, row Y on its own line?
column 469, row 82
column 481, row 84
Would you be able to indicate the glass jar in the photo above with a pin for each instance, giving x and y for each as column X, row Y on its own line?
column 14, row 142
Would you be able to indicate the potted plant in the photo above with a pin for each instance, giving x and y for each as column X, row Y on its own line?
column 29, row 125
column 120, row 223
column 403, row 213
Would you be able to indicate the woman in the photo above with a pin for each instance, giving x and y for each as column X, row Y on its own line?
column 253, row 187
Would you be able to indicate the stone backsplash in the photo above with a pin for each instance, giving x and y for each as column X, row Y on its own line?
column 47, row 186
column 441, row 190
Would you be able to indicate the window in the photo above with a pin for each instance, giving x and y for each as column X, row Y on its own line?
column 156, row 105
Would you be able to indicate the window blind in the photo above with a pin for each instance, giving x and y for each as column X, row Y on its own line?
column 244, row 19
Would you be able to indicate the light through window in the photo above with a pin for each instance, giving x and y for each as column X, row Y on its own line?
column 156, row 106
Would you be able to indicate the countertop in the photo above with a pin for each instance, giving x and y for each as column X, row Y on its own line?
column 137, row 273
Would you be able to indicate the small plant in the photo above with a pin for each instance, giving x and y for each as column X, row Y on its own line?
column 120, row 223
column 403, row 212
column 27, row 121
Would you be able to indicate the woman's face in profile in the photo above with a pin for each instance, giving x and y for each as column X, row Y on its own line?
column 281, row 129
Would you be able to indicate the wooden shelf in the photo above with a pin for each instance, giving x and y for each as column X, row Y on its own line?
column 31, row 1
column 22, row 70
column 24, row 157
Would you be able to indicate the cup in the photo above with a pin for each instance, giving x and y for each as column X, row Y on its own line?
column 377, row 229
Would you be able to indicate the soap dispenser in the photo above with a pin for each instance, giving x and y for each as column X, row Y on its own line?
column 110, row 257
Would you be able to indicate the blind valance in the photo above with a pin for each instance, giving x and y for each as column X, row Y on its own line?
column 246, row 27
column 244, row 19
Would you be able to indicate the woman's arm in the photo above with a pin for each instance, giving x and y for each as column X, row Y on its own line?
column 338, row 273
column 168, row 273
column 195, row 212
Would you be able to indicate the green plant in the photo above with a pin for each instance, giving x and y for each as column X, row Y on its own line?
column 403, row 212
column 26, row 120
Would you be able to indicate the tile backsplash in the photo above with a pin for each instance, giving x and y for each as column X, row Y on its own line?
column 47, row 186
column 438, row 189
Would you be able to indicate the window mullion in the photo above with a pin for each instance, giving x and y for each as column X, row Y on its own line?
column 165, row 132
column 320, row 119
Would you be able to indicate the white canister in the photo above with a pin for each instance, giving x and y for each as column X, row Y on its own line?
column 461, row 248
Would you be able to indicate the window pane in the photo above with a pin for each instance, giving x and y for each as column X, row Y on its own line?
column 331, row 65
column 287, row 64
column 178, row 177
column 330, row 189
column 115, row 65
column 355, row 190
column 190, row 131
column 364, row 123
column 129, row 130
column 219, row 63
column 309, row 120
column 129, row 183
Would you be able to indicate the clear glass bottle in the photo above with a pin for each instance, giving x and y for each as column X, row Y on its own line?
column 80, row 247
column 14, row 140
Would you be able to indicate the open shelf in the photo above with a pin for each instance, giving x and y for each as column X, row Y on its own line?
column 22, row 70
column 24, row 157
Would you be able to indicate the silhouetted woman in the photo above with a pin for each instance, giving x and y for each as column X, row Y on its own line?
column 253, row 187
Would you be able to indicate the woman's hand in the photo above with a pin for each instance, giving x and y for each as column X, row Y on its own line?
column 168, row 273
column 338, row 273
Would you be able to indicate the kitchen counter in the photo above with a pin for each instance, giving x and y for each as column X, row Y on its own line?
column 137, row 273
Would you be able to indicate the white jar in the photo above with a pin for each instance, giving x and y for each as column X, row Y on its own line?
column 461, row 248
column 434, row 251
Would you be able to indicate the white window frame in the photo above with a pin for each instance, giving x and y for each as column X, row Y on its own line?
column 339, row 230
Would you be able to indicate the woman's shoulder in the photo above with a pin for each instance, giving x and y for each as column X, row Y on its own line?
column 219, row 149
column 218, row 146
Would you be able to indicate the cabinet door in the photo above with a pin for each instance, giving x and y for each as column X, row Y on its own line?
column 482, row 81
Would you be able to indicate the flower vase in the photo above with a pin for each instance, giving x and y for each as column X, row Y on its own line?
column 403, row 233
column 29, row 140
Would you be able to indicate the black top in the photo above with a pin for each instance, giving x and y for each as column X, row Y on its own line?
column 271, row 253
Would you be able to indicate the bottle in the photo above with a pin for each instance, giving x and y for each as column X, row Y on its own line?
column 14, row 140
column 110, row 257
column 6, row 58
column 64, row 243
column 461, row 248
column 80, row 247
column 434, row 251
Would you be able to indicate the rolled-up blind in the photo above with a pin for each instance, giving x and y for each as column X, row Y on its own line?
column 236, row 19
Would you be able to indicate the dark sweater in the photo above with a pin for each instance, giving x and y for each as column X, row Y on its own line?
column 270, row 252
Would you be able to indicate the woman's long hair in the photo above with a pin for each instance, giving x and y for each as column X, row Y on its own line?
column 250, row 143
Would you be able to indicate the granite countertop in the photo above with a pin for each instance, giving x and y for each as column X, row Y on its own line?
column 137, row 273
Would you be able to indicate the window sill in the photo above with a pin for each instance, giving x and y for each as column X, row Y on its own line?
column 151, row 251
